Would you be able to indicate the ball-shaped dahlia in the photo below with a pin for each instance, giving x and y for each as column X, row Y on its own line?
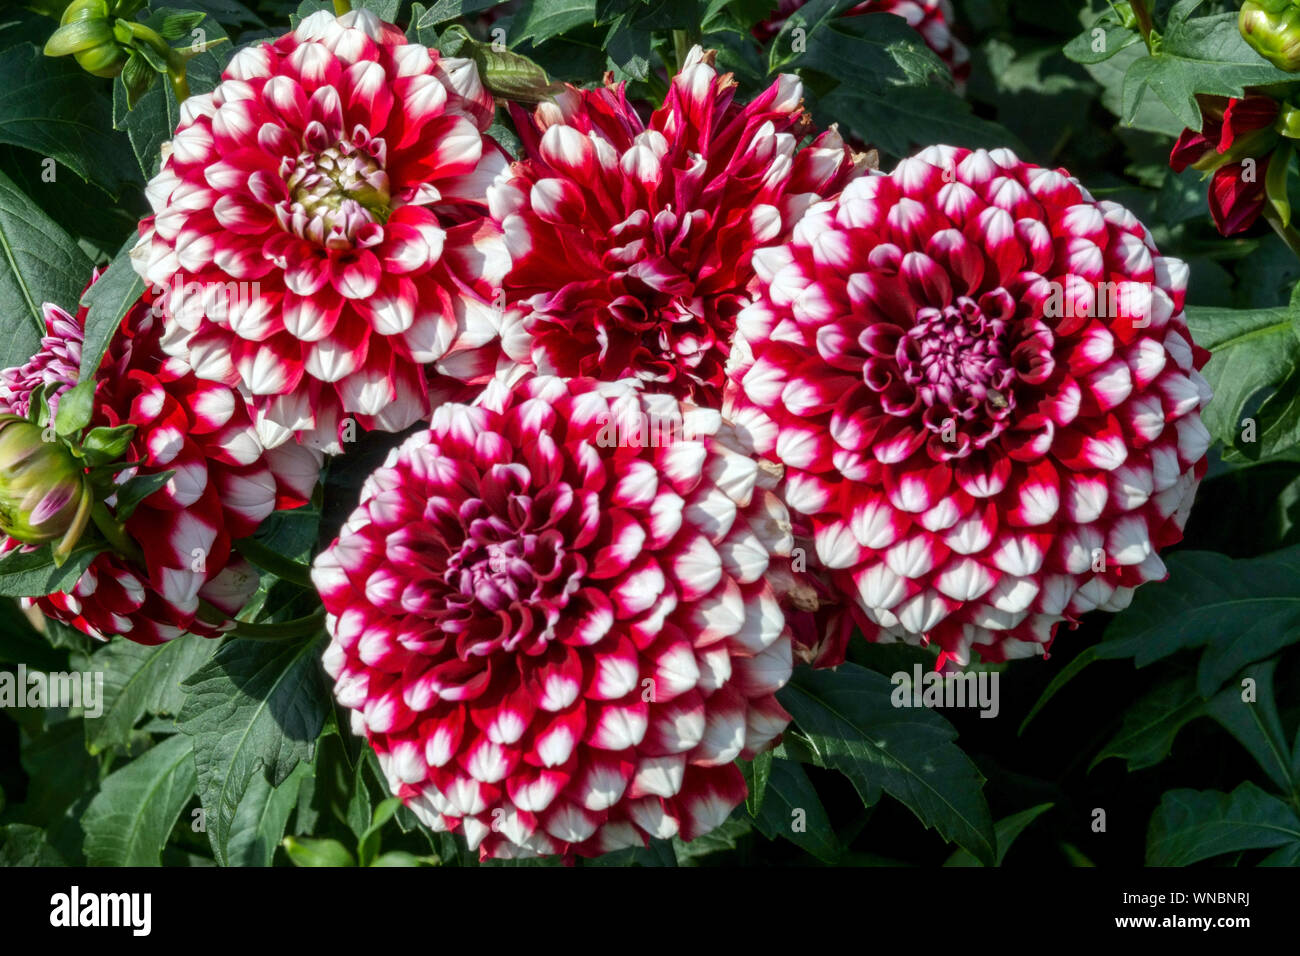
column 631, row 240
column 552, row 616
column 178, row 539
column 932, row 19
column 982, row 387
column 331, row 188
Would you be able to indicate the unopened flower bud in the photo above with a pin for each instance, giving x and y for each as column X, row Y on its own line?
column 44, row 495
column 1272, row 28
column 86, row 31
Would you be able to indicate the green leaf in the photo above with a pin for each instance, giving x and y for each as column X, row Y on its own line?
column 789, row 791
column 141, row 680
column 76, row 406
column 1242, row 611
column 23, row 845
column 128, row 821
column 39, row 263
column 539, row 20
column 261, row 817
column 55, row 109
column 1252, row 351
column 104, row 445
column 310, row 851
column 108, row 301
column 136, row 490
column 20, row 643
column 174, row 24
column 756, row 773
column 716, row 840
column 368, row 845
column 255, row 707
column 33, row 574
column 1007, row 829
column 1190, row 825
column 384, row 9
column 1197, row 55
column 852, row 725
column 878, row 79
column 629, row 50
column 135, row 81
column 1152, row 724
column 1101, row 41
column 1257, row 725
column 445, row 10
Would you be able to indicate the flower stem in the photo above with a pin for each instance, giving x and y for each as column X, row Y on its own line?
column 115, row 533
column 681, row 47
column 280, row 630
column 1143, row 13
column 175, row 62
column 1288, row 234
column 274, row 562
column 265, row 630
column 341, row 7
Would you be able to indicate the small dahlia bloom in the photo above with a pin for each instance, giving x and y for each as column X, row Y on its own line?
column 553, row 617
column 983, row 390
column 224, row 483
column 631, row 240
column 1235, row 145
column 931, row 18
column 332, row 190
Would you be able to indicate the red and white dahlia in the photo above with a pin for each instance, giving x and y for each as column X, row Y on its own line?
column 631, row 241
column 224, row 483
column 335, row 181
column 931, row 18
column 985, row 396
column 552, row 616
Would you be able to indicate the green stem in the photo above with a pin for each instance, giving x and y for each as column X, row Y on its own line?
column 341, row 7
column 267, row 630
column 280, row 630
column 1288, row 234
column 1145, row 23
column 681, row 47
column 175, row 62
column 115, row 533
column 274, row 562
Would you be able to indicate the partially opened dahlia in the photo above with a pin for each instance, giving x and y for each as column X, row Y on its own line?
column 223, row 483
column 983, row 390
column 335, row 181
column 552, row 616
column 631, row 240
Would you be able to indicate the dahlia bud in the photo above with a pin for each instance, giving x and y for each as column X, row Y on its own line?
column 44, row 495
column 1272, row 28
column 86, row 31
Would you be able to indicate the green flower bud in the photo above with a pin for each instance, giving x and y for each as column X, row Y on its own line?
column 86, row 32
column 45, row 496
column 1272, row 28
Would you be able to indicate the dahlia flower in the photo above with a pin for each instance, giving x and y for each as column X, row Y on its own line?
column 179, row 537
column 982, row 388
column 930, row 18
column 553, row 616
column 1235, row 143
column 336, row 179
column 630, row 241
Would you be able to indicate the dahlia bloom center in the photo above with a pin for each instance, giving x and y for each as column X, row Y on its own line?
column 497, row 572
column 338, row 194
column 953, row 367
